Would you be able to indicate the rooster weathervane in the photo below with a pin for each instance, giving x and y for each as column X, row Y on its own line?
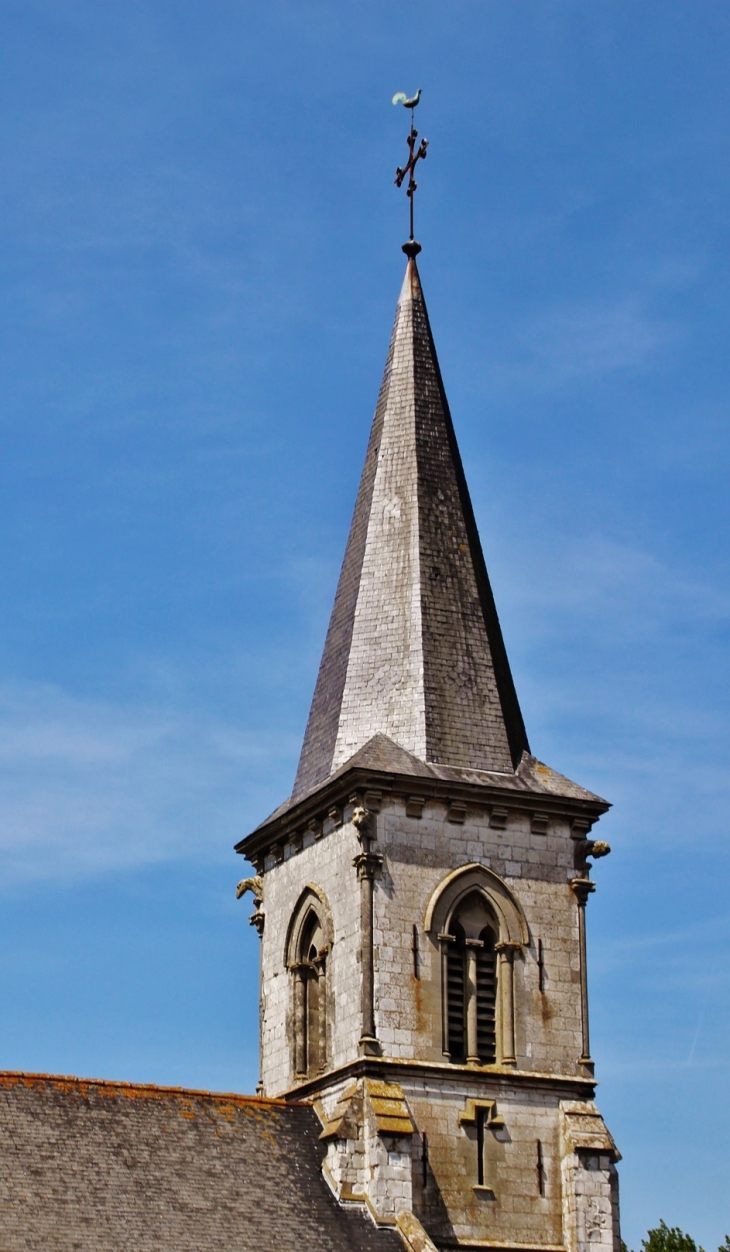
column 415, row 154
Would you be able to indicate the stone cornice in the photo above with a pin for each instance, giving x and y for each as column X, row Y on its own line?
column 398, row 1070
column 372, row 785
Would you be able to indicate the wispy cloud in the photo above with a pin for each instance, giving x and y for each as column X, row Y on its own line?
column 588, row 340
column 87, row 786
column 622, row 669
column 621, row 586
column 573, row 342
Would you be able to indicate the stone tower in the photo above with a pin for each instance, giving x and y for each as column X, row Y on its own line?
column 421, row 896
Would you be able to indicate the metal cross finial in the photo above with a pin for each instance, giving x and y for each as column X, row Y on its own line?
column 415, row 155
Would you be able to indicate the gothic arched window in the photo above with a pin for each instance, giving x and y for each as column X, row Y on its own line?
column 310, row 1024
column 471, row 982
column 307, row 952
column 479, row 926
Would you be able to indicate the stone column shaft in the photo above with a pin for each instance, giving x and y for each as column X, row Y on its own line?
column 368, row 974
column 582, row 888
column 472, row 1041
column 366, row 863
column 506, row 992
column 300, row 1021
column 445, row 940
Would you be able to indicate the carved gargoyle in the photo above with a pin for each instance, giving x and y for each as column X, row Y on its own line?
column 362, row 821
column 360, row 817
column 254, row 885
column 589, row 847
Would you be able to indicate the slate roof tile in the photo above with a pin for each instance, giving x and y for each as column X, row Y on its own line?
column 414, row 648
column 95, row 1166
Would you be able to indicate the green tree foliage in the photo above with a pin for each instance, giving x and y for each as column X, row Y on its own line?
column 669, row 1239
column 664, row 1238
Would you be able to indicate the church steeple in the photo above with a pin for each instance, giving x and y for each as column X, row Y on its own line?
column 421, row 896
column 414, row 648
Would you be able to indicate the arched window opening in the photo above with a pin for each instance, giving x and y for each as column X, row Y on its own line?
column 480, row 927
column 470, row 991
column 309, row 970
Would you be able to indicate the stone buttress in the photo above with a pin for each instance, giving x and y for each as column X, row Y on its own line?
column 421, row 896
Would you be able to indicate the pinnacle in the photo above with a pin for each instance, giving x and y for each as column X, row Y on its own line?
column 414, row 648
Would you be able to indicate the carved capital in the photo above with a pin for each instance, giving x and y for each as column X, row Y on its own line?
column 582, row 888
column 367, row 864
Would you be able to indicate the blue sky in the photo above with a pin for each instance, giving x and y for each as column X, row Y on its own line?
column 200, row 250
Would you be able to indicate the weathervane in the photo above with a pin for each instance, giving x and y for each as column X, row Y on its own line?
column 411, row 248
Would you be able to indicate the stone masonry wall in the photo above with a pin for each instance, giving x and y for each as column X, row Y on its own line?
column 418, row 853
column 327, row 863
column 551, row 1196
column 527, row 1193
column 509, row 1208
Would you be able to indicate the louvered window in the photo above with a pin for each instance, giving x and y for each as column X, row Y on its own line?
column 456, row 993
column 487, row 998
column 459, row 951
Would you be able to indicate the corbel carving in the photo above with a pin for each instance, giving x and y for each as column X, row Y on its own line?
column 415, row 806
column 456, row 813
column 582, row 888
column 498, row 819
column 373, row 800
column 539, row 823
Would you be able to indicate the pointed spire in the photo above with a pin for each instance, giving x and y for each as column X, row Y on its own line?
column 414, row 648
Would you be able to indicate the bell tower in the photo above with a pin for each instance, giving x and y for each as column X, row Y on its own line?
column 421, row 895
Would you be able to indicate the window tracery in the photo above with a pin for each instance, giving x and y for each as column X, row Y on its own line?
column 479, row 925
column 308, row 949
column 471, row 983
